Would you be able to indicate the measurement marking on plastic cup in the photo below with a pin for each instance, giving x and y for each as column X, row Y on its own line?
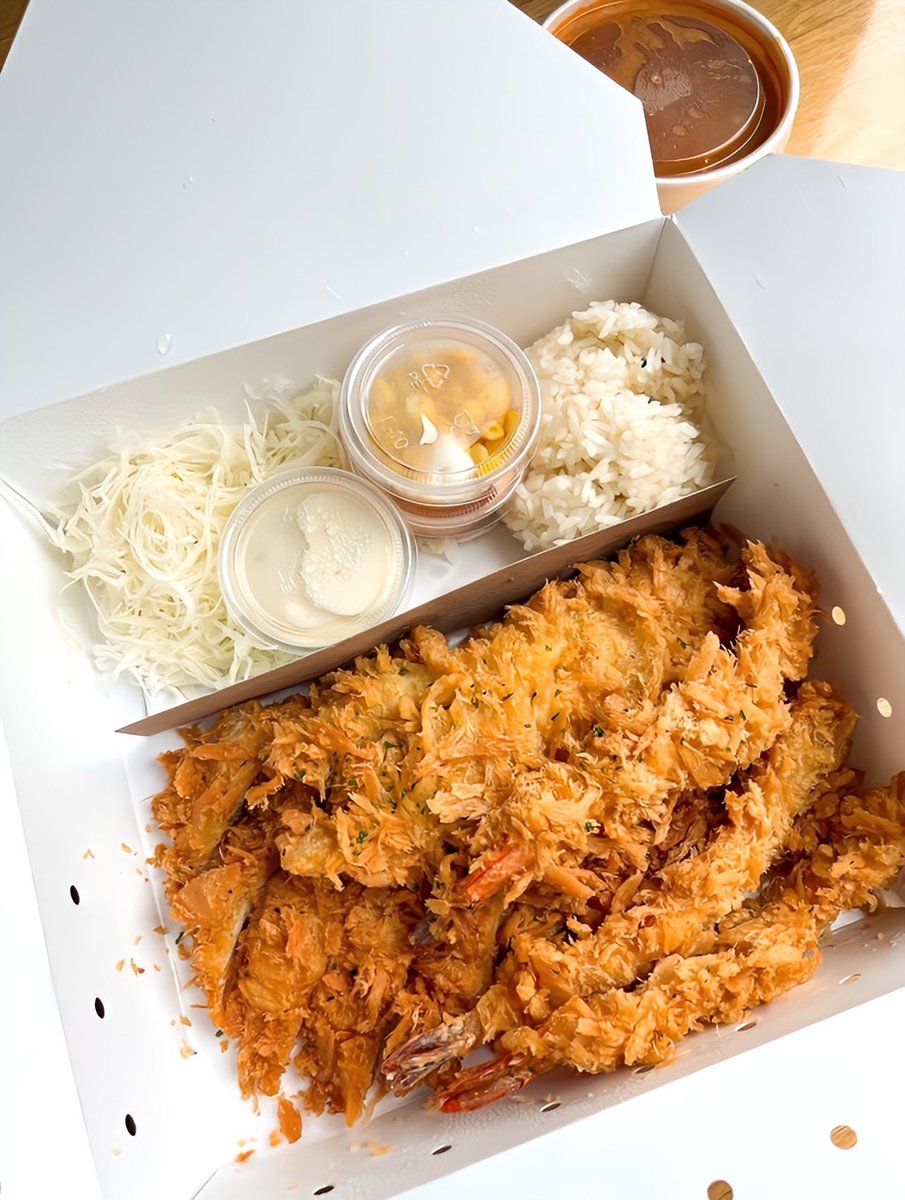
column 844, row 1137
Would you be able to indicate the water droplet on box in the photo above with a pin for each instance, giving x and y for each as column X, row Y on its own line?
column 579, row 281
column 164, row 343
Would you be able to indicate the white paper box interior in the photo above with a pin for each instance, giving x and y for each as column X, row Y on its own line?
column 82, row 787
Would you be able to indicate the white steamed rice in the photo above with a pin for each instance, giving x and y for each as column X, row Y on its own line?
column 621, row 428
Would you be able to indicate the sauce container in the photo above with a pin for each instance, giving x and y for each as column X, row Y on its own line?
column 443, row 415
column 311, row 556
column 718, row 82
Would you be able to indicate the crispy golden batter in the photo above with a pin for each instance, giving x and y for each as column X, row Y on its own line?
column 762, row 951
column 673, row 912
column 547, row 837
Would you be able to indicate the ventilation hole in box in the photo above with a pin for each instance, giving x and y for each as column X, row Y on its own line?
column 644, row 1070
column 850, row 978
column 554, row 1104
column 719, row 1190
column 441, row 1149
column 747, row 1025
column 131, row 1127
column 323, row 1191
column 838, row 615
column 74, row 894
column 99, row 1007
column 884, row 708
column 844, row 1137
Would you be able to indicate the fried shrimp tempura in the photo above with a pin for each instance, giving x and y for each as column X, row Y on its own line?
column 614, row 816
column 676, row 911
column 764, row 950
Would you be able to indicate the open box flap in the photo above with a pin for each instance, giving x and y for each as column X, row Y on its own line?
column 191, row 224
column 808, row 259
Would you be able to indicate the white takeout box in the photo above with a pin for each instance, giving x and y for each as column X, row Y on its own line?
column 791, row 276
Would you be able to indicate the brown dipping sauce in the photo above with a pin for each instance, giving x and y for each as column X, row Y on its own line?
column 712, row 90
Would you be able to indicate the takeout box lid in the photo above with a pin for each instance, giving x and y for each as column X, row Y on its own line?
column 276, row 172
column 807, row 257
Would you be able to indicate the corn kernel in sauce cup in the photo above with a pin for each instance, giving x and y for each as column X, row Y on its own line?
column 444, row 416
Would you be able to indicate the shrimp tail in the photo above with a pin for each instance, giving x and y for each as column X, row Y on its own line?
column 481, row 1085
column 411, row 1063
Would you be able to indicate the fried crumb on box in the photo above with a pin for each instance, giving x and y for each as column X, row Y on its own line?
column 290, row 1119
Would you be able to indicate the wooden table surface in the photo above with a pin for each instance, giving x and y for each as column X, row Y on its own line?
column 851, row 55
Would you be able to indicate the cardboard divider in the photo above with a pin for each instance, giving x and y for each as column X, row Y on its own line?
column 465, row 606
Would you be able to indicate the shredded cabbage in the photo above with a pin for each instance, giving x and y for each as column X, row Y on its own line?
column 146, row 527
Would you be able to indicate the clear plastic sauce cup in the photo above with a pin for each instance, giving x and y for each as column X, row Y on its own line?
column 312, row 556
column 444, row 416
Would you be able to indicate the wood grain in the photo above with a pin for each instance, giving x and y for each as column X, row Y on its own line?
column 851, row 56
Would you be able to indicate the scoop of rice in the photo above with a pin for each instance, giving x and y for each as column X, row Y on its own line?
column 621, row 428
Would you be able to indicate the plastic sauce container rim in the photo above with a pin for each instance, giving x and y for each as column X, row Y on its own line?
column 770, row 35
column 457, row 488
column 334, row 477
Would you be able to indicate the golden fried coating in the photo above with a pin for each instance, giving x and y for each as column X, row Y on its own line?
column 671, row 910
column 762, row 951
column 588, row 829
